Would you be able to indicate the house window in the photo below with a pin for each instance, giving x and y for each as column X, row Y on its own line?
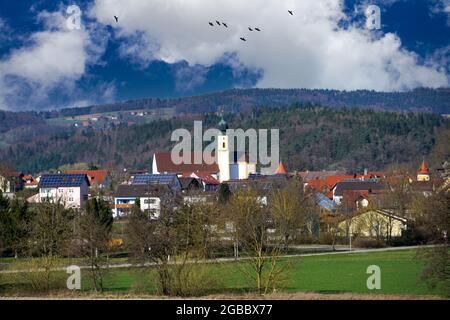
column 60, row 190
column 149, row 201
column 70, row 190
column 70, row 199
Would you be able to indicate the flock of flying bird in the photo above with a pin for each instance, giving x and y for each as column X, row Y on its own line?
column 226, row 25
column 249, row 28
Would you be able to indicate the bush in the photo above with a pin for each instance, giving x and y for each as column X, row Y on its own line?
column 191, row 280
column 362, row 242
column 38, row 275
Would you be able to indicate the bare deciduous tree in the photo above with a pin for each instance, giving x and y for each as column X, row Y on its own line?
column 252, row 222
column 94, row 226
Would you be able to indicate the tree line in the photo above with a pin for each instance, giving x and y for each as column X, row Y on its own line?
column 312, row 138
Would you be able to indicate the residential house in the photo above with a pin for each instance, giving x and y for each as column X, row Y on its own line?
column 326, row 205
column 326, row 183
column 209, row 183
column 356, row 186
column 97, row 178
column 149, row 196
column 189, row 184
column 171, row 180
column 30, row 182
column 318, row 175
column 71, row 190
column 374, row 223
column 11, row 182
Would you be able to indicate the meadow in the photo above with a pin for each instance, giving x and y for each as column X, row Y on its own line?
column 324, row 274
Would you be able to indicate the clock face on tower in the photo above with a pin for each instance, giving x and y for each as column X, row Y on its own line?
column 223, row 143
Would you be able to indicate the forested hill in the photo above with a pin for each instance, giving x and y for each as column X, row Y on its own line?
column 237, row 100
column 312, row 138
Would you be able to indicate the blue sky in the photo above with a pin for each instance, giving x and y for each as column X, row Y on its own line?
column 167, row 48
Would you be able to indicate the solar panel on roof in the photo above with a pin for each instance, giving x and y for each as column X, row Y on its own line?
column 324, row 202
column 61, row 180
column 154, row 178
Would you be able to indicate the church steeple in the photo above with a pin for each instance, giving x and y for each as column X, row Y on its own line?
column 424, row 173
column 281, row 169
column 223, row 152
column 223, row 125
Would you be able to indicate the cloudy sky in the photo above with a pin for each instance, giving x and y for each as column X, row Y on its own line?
column 166, row 48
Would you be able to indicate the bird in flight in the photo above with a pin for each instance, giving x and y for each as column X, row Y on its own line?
column 211, row 24
column 250, row 29
column 243, row 39
column 225, row 25
column 258, row 29
column 117, row 18
column 218, row 22
column 291, row 12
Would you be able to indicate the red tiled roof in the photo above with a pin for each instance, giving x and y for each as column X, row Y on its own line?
column 314, row 175
column 30, row 180
column 164, row 164
column 325, row 185
column 96, row 177
column 377, row 173
column 205, row 177
column 333, row 180
column 318, row 185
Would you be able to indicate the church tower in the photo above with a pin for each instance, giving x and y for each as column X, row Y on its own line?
column 424, row 173
column 223, row 153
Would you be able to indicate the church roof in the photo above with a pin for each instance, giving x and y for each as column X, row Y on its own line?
column 164, row 163
column 424, row 168
column 281, row 169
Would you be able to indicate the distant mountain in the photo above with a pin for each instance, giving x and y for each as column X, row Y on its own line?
column 237, row 100
column 312, row 138
column 423, row 100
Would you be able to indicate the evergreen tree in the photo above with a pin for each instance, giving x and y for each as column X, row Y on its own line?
column 224, row 193
column 14, row 222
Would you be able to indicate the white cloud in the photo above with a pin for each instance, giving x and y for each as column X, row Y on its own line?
column 138, row 48
column 188, row 78
column 52, row 59
column 446, row 9
column 5, row 31
column 304, row 50
column 441, row 7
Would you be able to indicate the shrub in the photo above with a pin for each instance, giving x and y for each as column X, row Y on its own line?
column 362, row 242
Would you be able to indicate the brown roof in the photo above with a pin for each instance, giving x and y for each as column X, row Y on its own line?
column 327, row 183
column 95, row 176
column 189, row 182
column 140, row 191
column 206, row 178
column 165, row 164
column 358, row 185
column 313, row 175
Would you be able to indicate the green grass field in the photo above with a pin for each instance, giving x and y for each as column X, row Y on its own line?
column 328, row 274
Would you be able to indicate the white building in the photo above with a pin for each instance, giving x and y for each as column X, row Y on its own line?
column 229, row 165
column 71, row 190
column 233, row 165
